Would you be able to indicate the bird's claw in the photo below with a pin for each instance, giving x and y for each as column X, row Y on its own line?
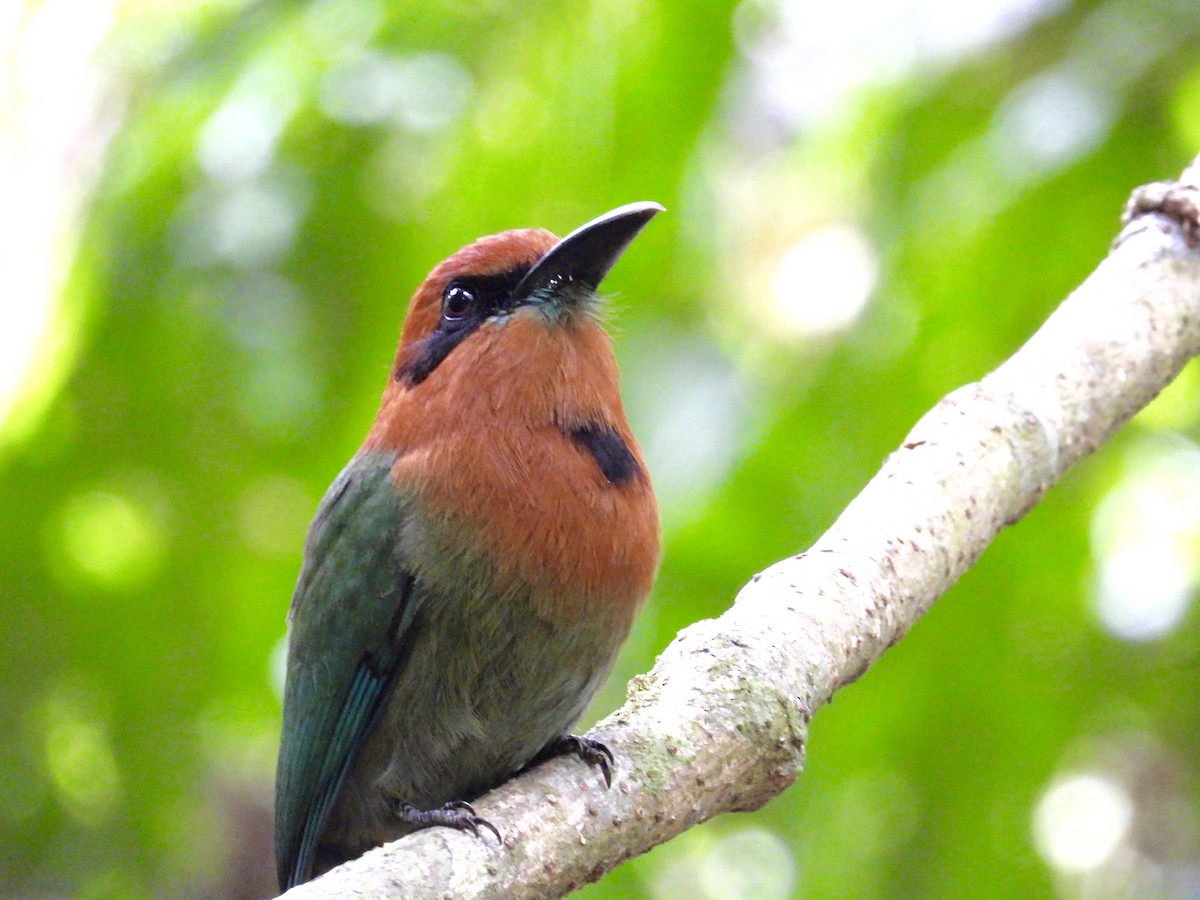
column 475, row 823
column 457, row 814
column 590, row 751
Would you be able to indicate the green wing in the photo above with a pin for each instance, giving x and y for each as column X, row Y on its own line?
column 353, row 606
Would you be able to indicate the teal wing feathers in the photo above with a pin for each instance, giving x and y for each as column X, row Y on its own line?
column 349, row 627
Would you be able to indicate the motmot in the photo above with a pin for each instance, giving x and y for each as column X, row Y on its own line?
column 470, row 575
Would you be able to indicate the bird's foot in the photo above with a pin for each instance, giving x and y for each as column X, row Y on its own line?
column 456, row 814
column 590, row 751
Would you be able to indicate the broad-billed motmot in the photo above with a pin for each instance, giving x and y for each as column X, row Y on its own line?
column 471, row 574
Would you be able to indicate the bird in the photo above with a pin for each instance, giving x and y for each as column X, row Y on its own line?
column 470, row 575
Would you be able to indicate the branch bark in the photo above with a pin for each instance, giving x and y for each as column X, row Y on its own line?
column 721, row 722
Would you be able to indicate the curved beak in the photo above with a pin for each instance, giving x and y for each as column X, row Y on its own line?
column 585, row 255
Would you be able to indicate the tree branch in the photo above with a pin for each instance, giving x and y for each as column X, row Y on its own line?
column 721, row 722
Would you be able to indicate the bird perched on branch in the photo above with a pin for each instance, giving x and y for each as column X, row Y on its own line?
column 471, row 574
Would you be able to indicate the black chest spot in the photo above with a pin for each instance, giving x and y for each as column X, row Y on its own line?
column 608, row 449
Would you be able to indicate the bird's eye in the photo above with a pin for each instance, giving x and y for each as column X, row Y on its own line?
column 457, row 302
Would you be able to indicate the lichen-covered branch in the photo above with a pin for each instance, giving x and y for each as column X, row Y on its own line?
column 721, row 722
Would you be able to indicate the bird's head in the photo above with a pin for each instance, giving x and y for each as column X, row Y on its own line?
column 522, row 273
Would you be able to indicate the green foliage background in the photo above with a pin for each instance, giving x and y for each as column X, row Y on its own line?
column 233, row 319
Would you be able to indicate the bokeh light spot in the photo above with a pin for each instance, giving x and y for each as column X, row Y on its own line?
column 248, row 224
column 79, row 760
column 423, row 92
column 697, row 411
column 266, row 313
column 239, row 139
column 402, row 174
column 1146, row 540
column 50, row 132
column 749, row 863
column 110, row 539
column 824, row 280
column 1080, row 821
column 1145, row 589
column 1048, row 122
column 806, row 57
column 343, row 25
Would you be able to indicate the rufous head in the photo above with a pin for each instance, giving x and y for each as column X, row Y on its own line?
column 522, row 272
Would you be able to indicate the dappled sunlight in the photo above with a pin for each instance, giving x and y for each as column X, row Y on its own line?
column 824, row 280
column 1144, row 588
column 342, row 27
column 49, row 127
column 281, row 385
column 1122, row 824
column 803, row 68
column 422, row 92
column 1080, row 821
column 745, row 862
column 694, row 416
column 1048, row 122
column 107, row 539
column 749, row 863
column 404, row 173
column 245, row 224
column 796, row 275
column 1146, row 540
column 806, row 58
column 239, row 140
column 79, row 757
